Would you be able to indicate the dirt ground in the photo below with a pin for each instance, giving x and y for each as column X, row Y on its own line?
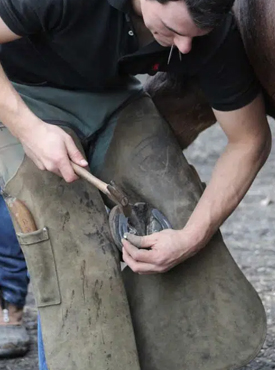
column 249, row 233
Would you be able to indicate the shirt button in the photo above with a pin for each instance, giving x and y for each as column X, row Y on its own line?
column 131, row 33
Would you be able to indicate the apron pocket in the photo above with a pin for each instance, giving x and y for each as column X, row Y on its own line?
column 39, row 256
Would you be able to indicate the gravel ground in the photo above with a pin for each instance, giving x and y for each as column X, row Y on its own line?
column 249, row 234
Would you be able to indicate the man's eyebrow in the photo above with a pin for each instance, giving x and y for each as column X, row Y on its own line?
column 172, row 30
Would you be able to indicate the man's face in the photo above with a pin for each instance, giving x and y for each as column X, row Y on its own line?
column 170, row 24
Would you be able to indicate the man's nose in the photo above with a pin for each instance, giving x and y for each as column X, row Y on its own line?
column 184, row 44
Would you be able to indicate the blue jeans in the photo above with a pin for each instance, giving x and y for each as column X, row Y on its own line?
column 13, row 270
column 41, row 353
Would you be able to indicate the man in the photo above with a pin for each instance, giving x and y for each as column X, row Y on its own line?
column 71, row 65
column 14, row 339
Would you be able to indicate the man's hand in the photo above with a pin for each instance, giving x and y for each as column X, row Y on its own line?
column 48, row 146
column 51, row 148
column 158, row 252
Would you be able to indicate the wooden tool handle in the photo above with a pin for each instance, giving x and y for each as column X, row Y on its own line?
column 21, row 214
column 84, row 174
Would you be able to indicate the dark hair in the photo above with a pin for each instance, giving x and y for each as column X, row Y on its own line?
column 206, row 13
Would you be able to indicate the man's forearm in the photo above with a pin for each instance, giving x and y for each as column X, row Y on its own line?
column 49, row 147
column 14, row 113
column 231, row 178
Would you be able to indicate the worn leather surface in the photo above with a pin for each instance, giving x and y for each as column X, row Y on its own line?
column 203, row 314
column 76, row 274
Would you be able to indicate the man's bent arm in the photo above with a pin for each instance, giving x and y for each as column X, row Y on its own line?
column 249, row 143
column 48, row 146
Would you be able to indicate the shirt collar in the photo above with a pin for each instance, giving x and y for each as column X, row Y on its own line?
column 123, row 5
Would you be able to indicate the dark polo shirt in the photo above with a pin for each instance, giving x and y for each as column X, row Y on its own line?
column 91, row 45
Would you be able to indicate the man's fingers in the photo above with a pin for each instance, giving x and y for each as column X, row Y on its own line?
column 34, row 158
column 74, row 153
column 67, row 171
column 140, row 255
column 138, row 267
column 140, row 241
column 39, row 164
column 76, row 156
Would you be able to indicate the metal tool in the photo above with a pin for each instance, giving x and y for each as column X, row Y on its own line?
column 140, row 218
column 170, row 54
column 111, row 190
column 150, row 220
